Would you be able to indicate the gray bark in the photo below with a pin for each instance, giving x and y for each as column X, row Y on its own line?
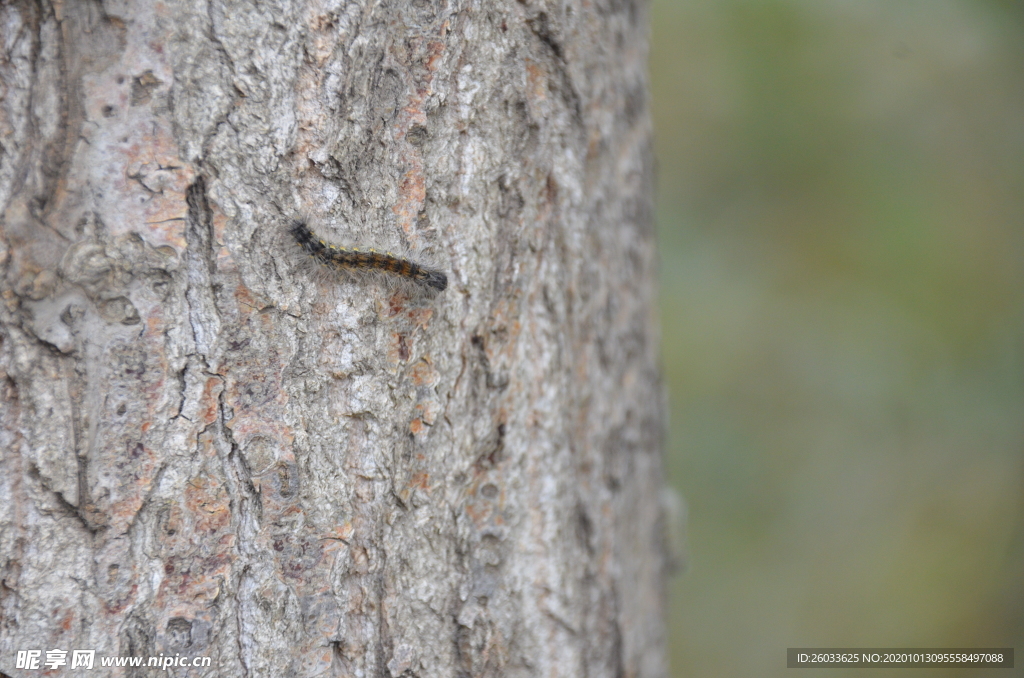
column 210, row 449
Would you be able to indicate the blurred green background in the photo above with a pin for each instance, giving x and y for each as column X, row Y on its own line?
column 841, row 214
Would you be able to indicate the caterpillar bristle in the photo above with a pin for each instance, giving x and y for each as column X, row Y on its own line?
column 348, row 259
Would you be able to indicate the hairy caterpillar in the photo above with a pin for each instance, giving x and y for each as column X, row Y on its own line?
column 352, row 259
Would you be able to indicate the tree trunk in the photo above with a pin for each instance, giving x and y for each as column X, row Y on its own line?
column 214, row 448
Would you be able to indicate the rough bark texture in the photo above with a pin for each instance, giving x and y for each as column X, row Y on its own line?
column 209, row 450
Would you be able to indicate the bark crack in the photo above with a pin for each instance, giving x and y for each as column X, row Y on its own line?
column 204, row 316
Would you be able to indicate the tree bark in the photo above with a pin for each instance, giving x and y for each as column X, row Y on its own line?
column 212, row 449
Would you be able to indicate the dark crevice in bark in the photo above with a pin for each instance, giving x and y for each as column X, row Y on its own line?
column 244, row 496
column 81, row 514
column 77, row 388
column 240, row 626
column 199, row 234
column 541, row 27
column 224, row 118
column 616, row 658
column 200, row 268
column 384, row 642
column 54, row 152
column 31, row 11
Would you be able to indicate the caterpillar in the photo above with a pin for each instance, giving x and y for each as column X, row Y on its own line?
column 353, row 259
